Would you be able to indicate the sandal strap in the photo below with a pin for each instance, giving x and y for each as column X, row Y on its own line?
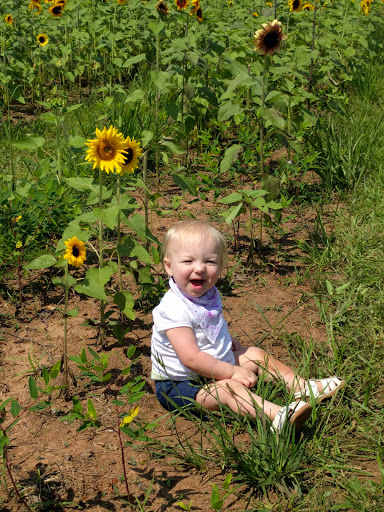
column 285, row 414
column 329, row 385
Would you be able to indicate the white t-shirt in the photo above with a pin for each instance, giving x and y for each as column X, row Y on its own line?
column 173, row 312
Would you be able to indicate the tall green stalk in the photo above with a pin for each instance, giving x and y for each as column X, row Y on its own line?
column 261, row 117
column 65, row 347
column 157, row 92
column 118, row 197
column 101, row 259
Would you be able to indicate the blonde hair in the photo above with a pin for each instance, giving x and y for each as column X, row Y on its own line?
column 195, row 230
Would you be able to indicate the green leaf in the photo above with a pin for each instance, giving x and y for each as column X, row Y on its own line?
column 228, row 110
column 231, row 154
column 176, row 149
column 146, row 137
column 81, row 184
column 91, row 289
column 108, row 216
column 185, row 183
column 100, row 275
column 134, row 60
column 231, row 198
column 55, row 369
column 272, row 116
column 61, row 281
column 43, row 261
column 141, row 254
column 136, row 95
column 29, row 143
column 232, row 213
column 125, row 303
column 91, row 410
column 15, row 408
column 77, row 141
column 73, row 312
column 33, row 391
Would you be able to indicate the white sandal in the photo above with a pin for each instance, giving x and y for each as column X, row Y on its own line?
column 330, row 386
column 296, row 413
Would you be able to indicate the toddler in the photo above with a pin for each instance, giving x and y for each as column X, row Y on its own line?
column 195, row 359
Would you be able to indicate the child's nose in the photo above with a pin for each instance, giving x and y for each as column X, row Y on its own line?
column 200, row 266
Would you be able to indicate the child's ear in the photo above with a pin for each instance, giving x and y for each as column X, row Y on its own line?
column 167, row 266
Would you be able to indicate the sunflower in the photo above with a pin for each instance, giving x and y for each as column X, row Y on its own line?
column 308, row 7
column 181, row 4
column 33, row 5
column 196, row 9
column 56, row 10
column 162, row 7
column 107, row 150
column 255, row 14
column 133, row 152
column 8, row 19
column 122, row 2
column 365, row 6
column 295, row 5
column 230, row 3
column 75, row 252
column 42, row 39
column 268, row 39
column 268, row 4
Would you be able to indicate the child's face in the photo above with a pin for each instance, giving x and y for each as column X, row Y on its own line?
column 194, row 265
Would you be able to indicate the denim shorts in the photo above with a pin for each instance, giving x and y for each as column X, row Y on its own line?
column 175, row 394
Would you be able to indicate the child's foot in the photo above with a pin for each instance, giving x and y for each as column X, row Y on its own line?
column 320, row 389
column 296, row 413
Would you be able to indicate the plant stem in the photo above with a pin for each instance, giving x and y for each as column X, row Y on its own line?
column 65, row 348
column 146, row 197
column 118, row 195
column 101, row 258
column 310, row 77
column 157, row 92
column 123, row 456
column 8, row 466
column 261, row 117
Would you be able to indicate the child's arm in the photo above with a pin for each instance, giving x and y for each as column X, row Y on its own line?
column 184, row 344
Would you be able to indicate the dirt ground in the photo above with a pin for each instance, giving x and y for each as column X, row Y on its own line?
column 52, row 462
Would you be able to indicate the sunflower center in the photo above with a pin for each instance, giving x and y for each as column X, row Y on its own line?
column 75, row 252
column 56, row 9
column 271, row 39
column 106, row 151
column 41, row 39
column 296, row 4
column 128, row 157
column 199, row 13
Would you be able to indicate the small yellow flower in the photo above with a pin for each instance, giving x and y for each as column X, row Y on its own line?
column 181, row 4
column 230, row 3
column 255, row 14
column 8, row 19
column 269, row 4
column 19, row 244
column 129, row 418
column 18, row 218
column 75, row 252
column 162, row 8
column 107, row 150
column 132, row 153
column 42, row 39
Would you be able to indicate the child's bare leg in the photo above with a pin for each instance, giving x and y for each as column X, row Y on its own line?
column 257, row 360
column 237, row 397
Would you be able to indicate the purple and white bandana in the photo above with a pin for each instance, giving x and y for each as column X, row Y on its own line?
column 206, row 309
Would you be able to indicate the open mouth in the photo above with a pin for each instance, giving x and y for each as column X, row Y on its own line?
column 197, row 282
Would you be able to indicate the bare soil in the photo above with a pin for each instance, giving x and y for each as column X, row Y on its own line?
column 52, row 462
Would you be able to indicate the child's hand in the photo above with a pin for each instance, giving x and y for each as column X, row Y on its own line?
column 245, row 377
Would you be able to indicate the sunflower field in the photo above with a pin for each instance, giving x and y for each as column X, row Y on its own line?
column 121, row 117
